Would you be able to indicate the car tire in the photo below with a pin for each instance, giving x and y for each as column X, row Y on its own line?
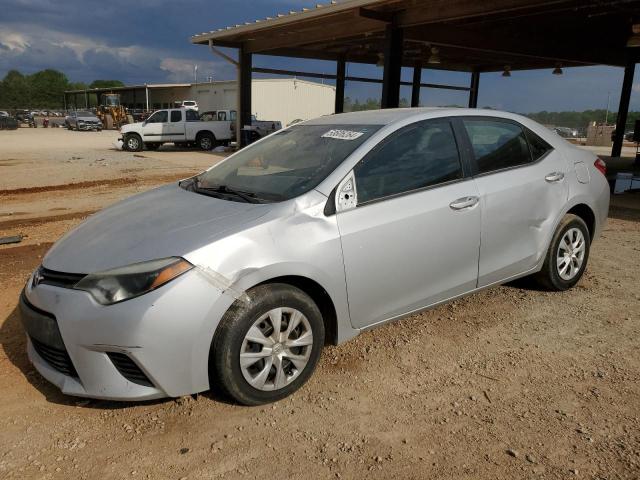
column 206, row 141
column 132, row 142
column 567, row 256
column 273, row 375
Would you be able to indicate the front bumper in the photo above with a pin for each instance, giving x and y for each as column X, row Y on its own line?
column 166, row 335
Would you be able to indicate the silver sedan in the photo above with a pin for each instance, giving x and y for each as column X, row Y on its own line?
column 236, row 278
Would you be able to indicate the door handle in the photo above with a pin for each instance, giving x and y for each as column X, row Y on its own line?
column 554, row 177
column 464, row 202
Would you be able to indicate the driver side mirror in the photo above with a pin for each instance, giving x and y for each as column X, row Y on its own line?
column 346, row 197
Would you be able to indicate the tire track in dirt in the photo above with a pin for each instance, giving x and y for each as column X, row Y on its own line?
column 33, row 222
column 108, row 182
column 114, row 182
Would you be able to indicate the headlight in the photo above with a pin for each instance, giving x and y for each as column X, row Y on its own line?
column 123, row 283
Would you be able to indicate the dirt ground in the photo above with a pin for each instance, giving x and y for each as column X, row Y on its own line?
column 509, row 383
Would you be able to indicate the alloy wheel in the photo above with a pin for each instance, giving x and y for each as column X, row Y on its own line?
column 133, row 143
column 206, row 143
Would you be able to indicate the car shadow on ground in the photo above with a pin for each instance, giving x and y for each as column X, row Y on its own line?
column 14, row 343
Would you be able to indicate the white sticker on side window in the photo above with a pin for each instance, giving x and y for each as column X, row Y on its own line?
column 342, row 134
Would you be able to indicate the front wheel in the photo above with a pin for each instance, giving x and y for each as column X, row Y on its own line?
column 132, row 142
column 268, row 347
column 567, row 256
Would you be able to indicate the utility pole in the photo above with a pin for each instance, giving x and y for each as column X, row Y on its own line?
column 195, row 74
column 606, row 115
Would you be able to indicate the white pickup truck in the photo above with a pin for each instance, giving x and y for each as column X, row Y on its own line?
column 178, row 126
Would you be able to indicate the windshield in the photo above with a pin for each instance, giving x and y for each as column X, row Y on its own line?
column 289, row 162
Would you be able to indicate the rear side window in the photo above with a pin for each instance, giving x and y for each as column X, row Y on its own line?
column 222, row 116
column 176, row 116
column 496, row 144
column 192, row 116
column 537, row 145
column 418, row 156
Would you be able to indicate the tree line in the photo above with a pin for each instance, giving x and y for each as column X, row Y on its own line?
column 42, row 90
column 571, row 119
column 45, row 89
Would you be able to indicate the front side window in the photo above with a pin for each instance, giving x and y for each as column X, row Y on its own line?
column 287, row 164
column 496, row 144
column 176, row 116
column 159, row 117
column 419, row 156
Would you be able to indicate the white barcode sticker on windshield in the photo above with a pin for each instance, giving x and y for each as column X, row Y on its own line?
column 342, row 134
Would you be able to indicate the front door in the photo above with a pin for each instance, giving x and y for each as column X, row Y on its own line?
column 522, row 192
column 413, row 238
column 155, row 126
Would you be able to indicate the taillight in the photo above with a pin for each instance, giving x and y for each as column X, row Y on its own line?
column 600, row 165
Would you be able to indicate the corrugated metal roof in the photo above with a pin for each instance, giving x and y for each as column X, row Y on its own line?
column 334, row 6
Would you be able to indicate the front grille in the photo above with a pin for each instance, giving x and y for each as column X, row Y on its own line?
column 59, row 279
column 58, row 359
column 43, row 331
column 128, row 369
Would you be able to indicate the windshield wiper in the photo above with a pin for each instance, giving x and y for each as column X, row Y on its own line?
column 248, row 197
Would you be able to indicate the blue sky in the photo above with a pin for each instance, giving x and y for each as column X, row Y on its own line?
column 140, row 41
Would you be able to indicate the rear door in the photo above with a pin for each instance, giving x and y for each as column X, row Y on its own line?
column 522, row 185
column 413, row 238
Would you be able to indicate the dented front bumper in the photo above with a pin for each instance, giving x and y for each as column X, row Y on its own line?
column 166, row 334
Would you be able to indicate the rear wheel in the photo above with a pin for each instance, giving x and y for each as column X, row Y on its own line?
column 266, row 349
column 206, row 141
column 567, row 256
column 132, row 142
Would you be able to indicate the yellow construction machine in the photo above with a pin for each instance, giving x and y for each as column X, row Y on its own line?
column 112, row 114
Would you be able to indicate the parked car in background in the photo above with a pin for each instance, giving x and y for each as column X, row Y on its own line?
column 179, row 126
column 237, row 277
column 25, row 117
column 3, row 113
column 82, row 120
column 7, row 122
column 188, row 104
column 566, row 132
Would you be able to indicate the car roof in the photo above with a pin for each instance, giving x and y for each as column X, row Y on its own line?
column 393, row 115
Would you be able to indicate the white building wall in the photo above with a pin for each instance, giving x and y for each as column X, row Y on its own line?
column 284, row 99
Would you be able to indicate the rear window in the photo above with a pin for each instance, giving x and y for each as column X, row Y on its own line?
column 189, row 104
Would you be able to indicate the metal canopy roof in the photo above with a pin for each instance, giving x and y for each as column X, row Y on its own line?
column 468, row 34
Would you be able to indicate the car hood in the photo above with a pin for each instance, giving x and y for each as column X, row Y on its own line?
column 164, row 222
column 88, row 119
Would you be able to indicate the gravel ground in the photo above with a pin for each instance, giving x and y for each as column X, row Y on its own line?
column 509, row 383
